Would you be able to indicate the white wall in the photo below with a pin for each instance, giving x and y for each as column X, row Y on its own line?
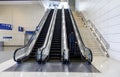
column 45, row 3
column 27, row 16
column 72, row 4
column 105, row 15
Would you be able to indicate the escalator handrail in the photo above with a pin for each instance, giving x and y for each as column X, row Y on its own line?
column 47, row 43
column 40, row 26
column 47, row 39
column 14, row 57
column 64, row 38
column 51, row 34
column 79, row 38
column 90, row 60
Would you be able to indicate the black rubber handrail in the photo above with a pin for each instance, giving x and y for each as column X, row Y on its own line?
column 40, row 60
column 15, row 53
column 90, row 60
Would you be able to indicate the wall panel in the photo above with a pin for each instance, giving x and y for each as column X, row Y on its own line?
column 105, row 15
column 28, row 16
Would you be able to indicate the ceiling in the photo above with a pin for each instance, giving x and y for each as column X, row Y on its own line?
column 13, row 2
column 32, row 0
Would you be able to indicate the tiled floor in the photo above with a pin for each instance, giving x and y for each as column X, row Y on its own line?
column 108, row 67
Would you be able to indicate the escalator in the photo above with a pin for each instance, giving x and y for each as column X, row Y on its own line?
column 28, row 52
column 55, row 50
column 41, row 38
column 74, row 52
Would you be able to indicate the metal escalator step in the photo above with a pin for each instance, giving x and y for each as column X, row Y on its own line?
column 34, row 50
column 55, row 60
column 55, row 49
column 38, row 43
column 41, row 39
column 32, row 56
column 57, row 55
column 54, row 57
column 52, row 52
column 57, row 41
column 55, row 44
column 56, row 38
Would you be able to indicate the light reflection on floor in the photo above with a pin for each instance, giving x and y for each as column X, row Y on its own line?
column 53, row 67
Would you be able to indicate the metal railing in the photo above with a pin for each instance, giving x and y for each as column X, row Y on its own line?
column 44, row 50
column 104, row 44
column 24, row 52
column 100, row 38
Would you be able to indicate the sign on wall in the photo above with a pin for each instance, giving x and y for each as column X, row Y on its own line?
column 30, row 32
column 20, row 29
column 5, row 26
column 7, row 38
